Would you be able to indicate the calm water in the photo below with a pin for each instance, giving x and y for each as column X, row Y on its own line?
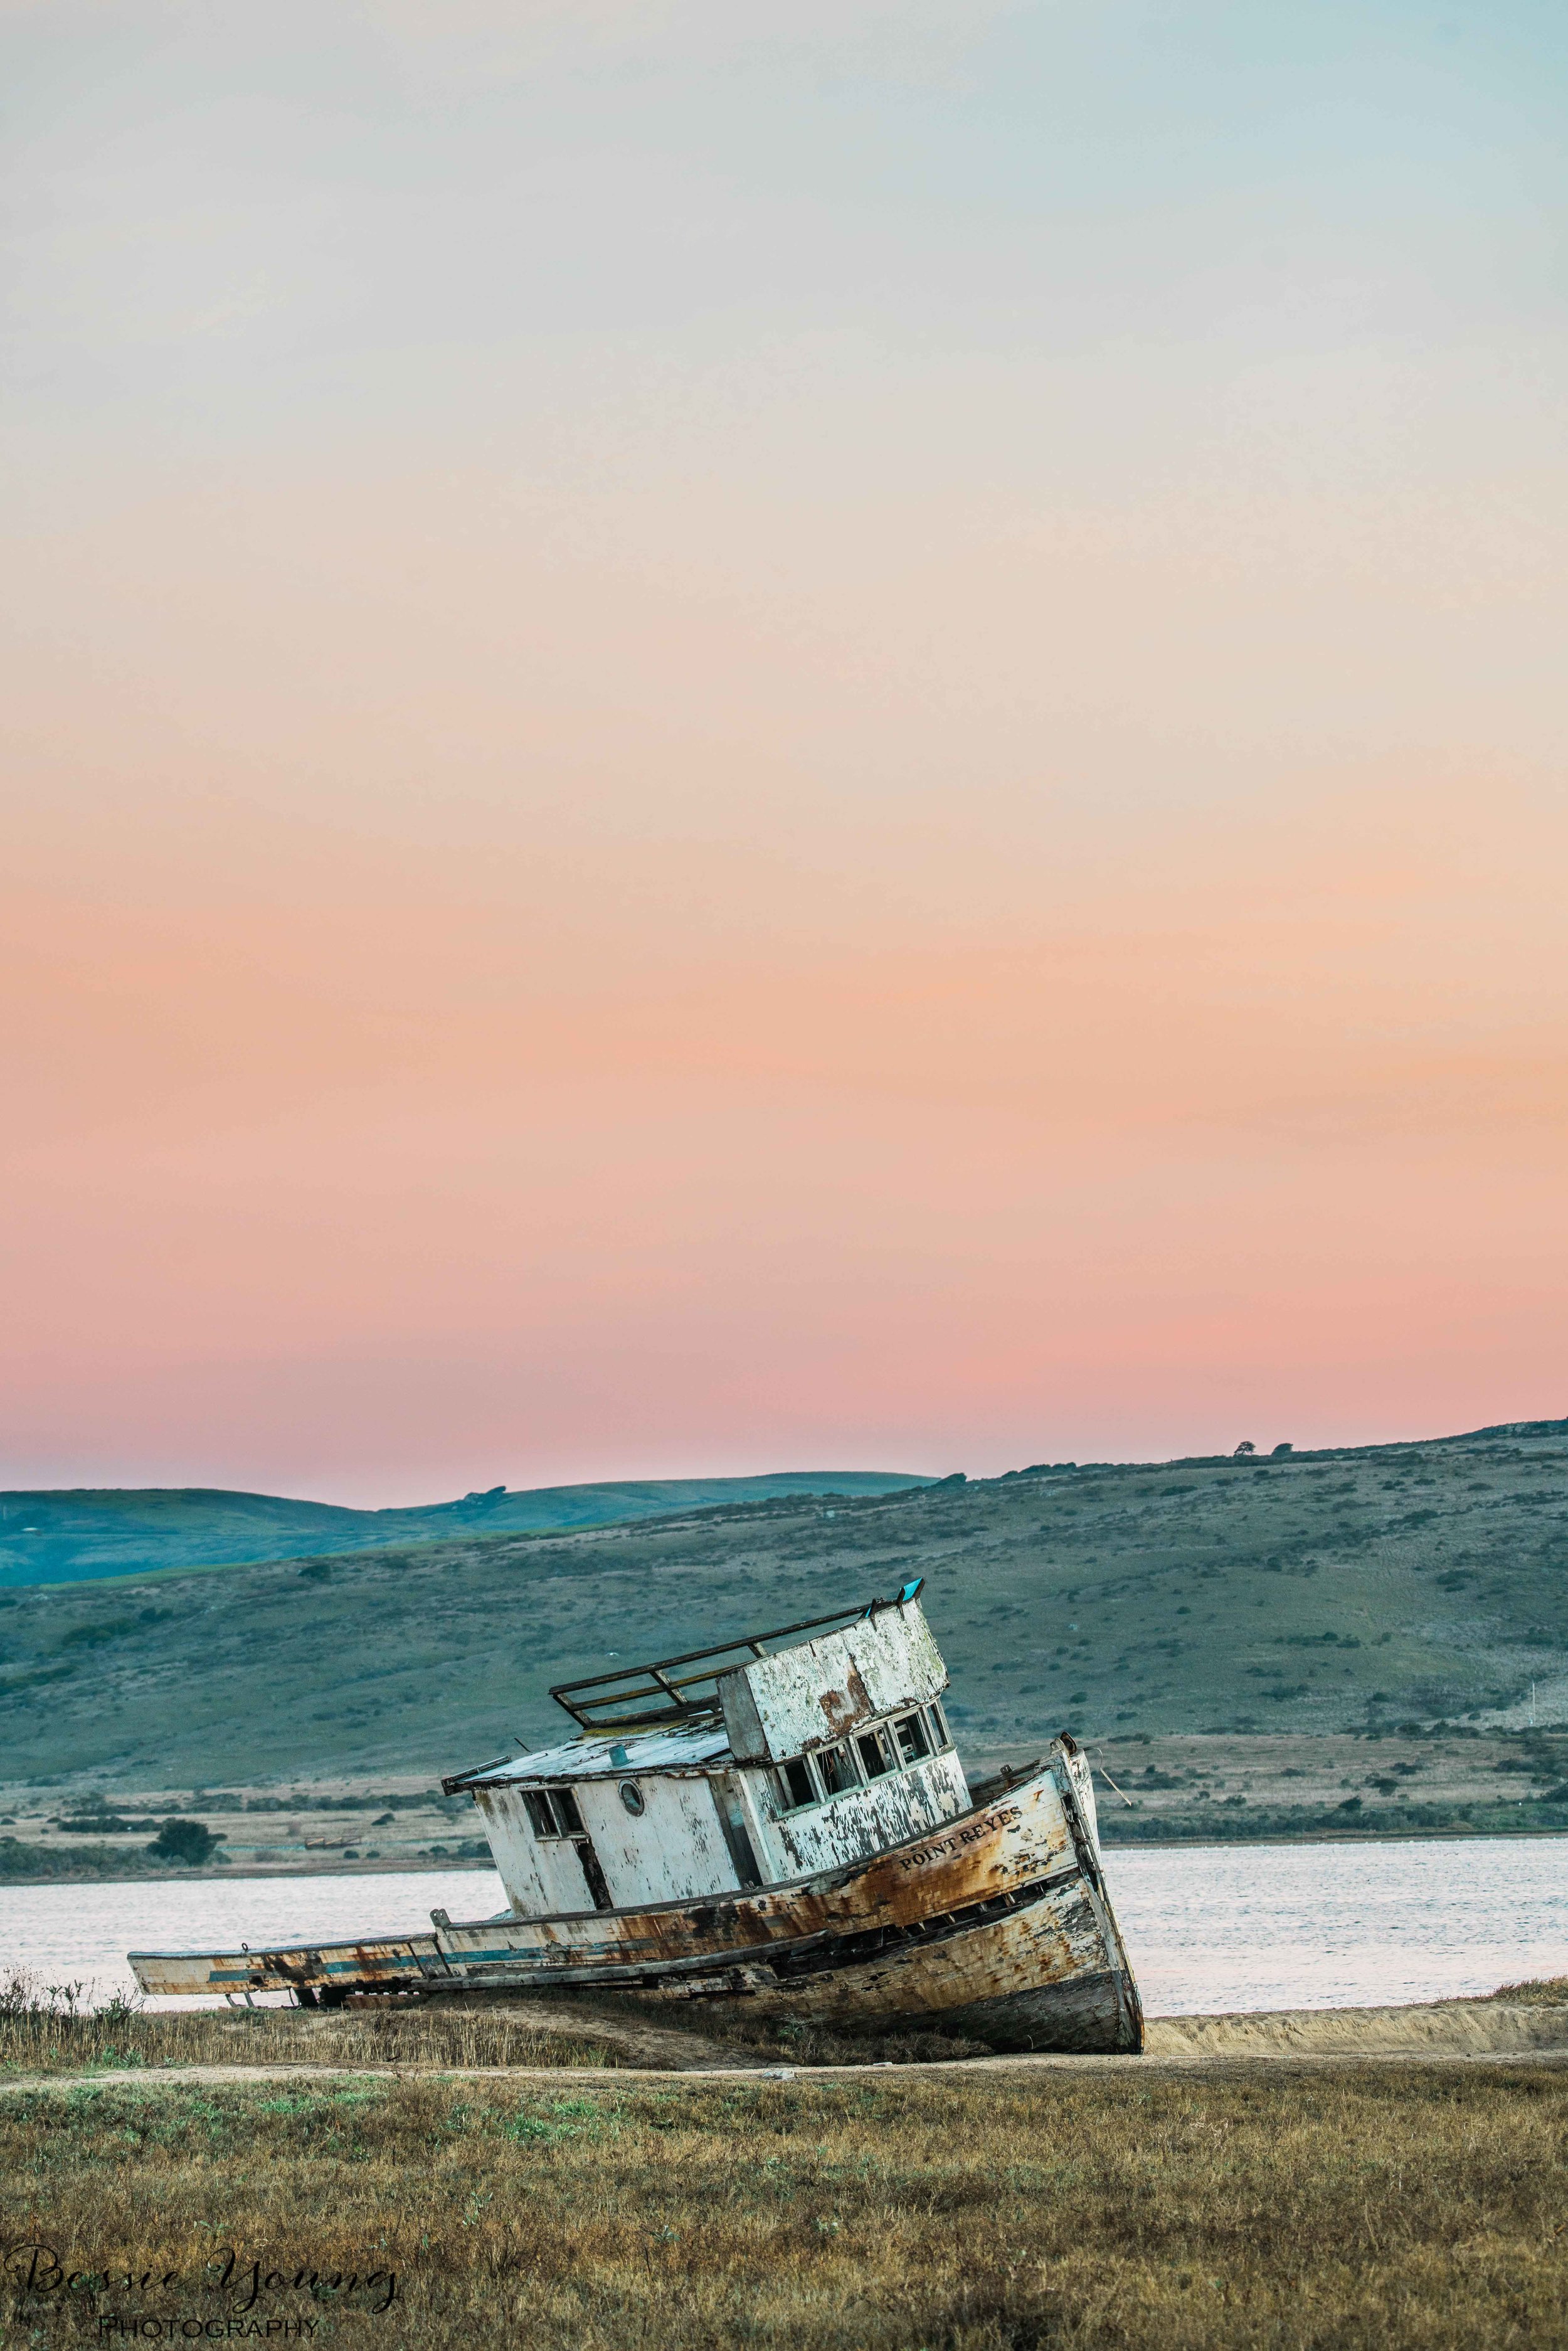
column 1340, row 1926
column 71, row 1933
column 1208, row 1927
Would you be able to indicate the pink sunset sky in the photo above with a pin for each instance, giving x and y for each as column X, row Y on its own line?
column 734, row 750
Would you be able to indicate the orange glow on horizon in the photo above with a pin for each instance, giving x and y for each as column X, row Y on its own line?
column 740, row 740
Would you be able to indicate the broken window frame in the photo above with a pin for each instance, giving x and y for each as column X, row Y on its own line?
column 787, row 1778
column 911, row 1738
column 838, row 1767
column 879, row 1753
column 553, row 1815
column 558, row 1807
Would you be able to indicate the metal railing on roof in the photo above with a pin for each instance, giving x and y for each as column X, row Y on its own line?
column 660, row 1696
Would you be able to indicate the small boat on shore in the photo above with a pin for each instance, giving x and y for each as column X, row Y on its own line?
column 779, row 1827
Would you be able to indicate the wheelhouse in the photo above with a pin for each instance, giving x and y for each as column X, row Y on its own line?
column 752, row 1764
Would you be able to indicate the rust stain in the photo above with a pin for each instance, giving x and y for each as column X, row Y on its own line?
column 847, row 1707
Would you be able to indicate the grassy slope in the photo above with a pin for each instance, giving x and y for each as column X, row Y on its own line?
column 1319, row 1594
column 91, row 1531
column 1413, row 2209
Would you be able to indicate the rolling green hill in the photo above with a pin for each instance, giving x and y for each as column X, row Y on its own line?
column 90, row 1531
column 1319, row 1592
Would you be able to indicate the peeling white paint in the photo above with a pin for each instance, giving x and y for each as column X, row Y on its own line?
column 541, row 1875
column 672, row 1851
column 863, row 1821
column 807, row 1696
column 604, row 1757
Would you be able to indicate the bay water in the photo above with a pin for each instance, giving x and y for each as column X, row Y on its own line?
column 1209, row 1928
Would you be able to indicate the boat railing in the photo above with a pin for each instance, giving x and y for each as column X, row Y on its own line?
column 661, row 1696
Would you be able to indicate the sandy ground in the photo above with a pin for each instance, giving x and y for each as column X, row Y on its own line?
column 1450, row 2028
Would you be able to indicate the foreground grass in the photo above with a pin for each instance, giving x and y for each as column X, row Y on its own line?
column 1405, row 2208
column 40, row 2040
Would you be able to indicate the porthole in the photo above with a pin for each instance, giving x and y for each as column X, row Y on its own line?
column 632, row 1796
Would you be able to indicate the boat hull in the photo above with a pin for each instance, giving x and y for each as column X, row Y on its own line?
column 998, row 1928
column 1045, row 1975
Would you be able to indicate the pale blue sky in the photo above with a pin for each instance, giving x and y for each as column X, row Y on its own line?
column 228, row 222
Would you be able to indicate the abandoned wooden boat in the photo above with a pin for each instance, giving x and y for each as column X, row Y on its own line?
column 778, row 1826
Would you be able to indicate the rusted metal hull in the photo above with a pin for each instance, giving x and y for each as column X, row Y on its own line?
column 998, row 1927
column 1046, row 1975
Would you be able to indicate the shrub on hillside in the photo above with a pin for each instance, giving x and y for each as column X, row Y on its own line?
column 188, row 1841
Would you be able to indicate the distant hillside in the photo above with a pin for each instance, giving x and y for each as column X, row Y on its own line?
column 1312, row 1593
column 64, row 1536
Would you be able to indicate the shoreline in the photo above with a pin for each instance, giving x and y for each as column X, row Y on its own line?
column 1455, row 1835
column 1110, row 1847
column 175, row 1876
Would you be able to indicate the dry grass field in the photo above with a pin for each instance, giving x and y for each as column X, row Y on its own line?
column 37, row 2038
column 1410, row 2208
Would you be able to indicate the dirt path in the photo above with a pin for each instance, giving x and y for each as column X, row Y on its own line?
column 598, row 2078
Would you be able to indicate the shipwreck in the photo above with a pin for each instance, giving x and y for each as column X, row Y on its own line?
column 779, row 1825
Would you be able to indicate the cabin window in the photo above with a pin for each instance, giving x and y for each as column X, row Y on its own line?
column 632, row 1797
column 796, row 1784
column 837, row 1768
column 872, row 1754
column 912, row 1744
column 553, row 1811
